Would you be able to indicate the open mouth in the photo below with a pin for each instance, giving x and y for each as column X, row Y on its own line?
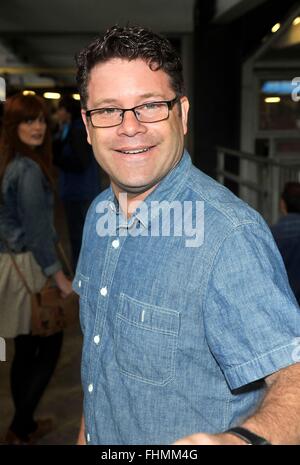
column 136, row 151
column 37, row 136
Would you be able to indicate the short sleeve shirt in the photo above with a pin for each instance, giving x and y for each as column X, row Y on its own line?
column 181, row 323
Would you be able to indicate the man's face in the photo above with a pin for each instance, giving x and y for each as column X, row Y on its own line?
column 158, row 146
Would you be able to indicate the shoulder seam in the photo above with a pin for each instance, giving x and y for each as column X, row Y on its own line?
column 222, row 212
column 213, row 204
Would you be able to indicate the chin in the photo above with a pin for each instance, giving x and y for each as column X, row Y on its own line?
column 137, row 188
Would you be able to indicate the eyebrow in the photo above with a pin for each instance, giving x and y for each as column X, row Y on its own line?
column 112, row 101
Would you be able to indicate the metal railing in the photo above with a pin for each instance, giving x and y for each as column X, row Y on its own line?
column 260, row 180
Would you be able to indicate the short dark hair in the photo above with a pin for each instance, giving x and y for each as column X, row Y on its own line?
column 291, row 197
column 131, row 43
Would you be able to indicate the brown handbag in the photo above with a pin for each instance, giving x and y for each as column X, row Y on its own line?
column 50, row 312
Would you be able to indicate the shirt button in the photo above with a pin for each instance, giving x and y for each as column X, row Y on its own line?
column 88, row 437
column 90, row 388
column 79, row 283
column 97, row 339
column 103, row 291
column 115, row 243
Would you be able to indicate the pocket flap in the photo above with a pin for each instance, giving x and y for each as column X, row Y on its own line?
column 148, row 316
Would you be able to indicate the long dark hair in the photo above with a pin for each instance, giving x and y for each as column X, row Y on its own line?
column 17, row 109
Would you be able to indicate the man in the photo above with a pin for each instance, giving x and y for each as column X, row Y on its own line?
column 286, row 233
column 183, row 338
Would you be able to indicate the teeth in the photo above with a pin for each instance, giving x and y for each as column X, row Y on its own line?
column 135, row 151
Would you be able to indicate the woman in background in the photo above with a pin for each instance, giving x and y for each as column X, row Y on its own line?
column 26, row 228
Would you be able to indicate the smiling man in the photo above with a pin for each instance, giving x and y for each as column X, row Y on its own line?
column 136, row 156
column 181, row 344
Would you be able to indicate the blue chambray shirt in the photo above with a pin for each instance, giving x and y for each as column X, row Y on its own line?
column 177, row 339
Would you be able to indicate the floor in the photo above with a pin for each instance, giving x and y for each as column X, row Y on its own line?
column 63, row 397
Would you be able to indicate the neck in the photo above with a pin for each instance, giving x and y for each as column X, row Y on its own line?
column 129, row 201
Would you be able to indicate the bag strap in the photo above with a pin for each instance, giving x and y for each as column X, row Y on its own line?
column 65, row 259
column 21, row 275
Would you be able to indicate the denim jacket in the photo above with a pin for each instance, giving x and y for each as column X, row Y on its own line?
column 177, row 338
column 26, row 213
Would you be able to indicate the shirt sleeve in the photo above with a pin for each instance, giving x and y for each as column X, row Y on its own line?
column 35, row 217
column 251, row 316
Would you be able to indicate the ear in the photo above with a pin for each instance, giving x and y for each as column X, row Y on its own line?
column 87, row 126
column 282, row 206
column 184, row 113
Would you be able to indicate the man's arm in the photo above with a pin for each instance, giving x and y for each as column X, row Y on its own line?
column 81, row 437
column 277, row 418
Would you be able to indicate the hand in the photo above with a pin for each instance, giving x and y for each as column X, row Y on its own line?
column 203, row 439
column 63, row 283
column 81, row 440
column 81, row 437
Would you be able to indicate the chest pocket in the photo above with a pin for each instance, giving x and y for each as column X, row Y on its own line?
column 146, row 339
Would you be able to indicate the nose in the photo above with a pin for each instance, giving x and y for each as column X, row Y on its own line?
column 37, row 123
column 130, row 125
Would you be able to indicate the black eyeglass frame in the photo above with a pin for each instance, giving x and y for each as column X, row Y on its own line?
column 170, row 104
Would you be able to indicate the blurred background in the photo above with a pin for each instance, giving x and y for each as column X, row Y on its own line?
column 242, row 70
column 239, row 56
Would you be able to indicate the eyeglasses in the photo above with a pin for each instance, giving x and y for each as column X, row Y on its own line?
column 150, row 112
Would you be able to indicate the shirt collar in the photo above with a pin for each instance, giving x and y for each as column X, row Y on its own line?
column 167, row 189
